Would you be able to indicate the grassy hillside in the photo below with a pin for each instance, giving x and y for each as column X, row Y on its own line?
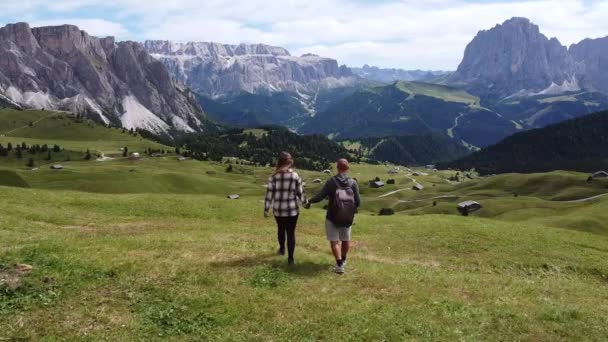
column 577, row 144
column 445, row 93
column 153, row 250
column 146, row 266
column 44, row 127
column 10, row 178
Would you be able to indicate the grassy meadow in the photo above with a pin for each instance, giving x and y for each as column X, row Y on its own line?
column 151, row 249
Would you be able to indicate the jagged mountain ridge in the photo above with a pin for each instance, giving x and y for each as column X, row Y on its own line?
column 389, row 75
column 119, row 83
column 217, row 70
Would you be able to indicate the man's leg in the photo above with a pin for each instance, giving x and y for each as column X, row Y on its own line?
column 345, row 237
column 345, row 247
column 337, row 252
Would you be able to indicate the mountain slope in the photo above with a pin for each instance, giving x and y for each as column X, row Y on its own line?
column 421, row 149
column 406, row 108
column 63, row 68
column 578, row 144
column 277, row 108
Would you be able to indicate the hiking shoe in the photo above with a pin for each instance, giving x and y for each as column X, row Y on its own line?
column 291, row 262
column 281, row 251
column 339, row 269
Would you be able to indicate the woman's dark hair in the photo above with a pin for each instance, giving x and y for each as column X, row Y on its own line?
column 284, row 163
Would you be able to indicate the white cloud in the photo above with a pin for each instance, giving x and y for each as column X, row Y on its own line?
column 397, row 33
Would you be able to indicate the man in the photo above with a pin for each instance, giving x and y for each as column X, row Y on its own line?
column 344, row 199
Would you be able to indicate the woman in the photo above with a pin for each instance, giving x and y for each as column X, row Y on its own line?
column 283, row 193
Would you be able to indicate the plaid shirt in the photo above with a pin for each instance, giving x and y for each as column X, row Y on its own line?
column 283, row 192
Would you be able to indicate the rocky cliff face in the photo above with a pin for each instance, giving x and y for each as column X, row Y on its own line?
column 64, row 68
column 592, row 56
column 216, row 70
column 516, row 59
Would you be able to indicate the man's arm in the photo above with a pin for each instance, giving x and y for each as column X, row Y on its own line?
column 357, row 195
column 321, row 195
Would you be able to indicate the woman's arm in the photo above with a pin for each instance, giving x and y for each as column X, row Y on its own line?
column 300, row 190
column 269, row 196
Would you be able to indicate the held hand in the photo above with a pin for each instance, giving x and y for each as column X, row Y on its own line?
column 266, row 214
column 306, row 205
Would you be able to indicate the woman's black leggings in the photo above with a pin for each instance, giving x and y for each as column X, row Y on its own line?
column 287, row 228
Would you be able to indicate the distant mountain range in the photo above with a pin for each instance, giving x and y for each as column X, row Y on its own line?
column 512, row 78
column 578, row 144
column 63, row 68
column 390, row 75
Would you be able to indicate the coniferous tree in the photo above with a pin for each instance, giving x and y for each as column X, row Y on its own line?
column 30, row 162
column 9, row 146
column 49, row 156
column 125, row 151
column 18, row 152
column 87, row 155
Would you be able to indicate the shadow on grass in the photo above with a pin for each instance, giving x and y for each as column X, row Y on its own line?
column 305, row 268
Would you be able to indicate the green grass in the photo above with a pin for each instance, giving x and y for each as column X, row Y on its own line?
column 10, row 178
column 441, row 92
column 562, row 98
column 62, row 129
column 148, row 266
column 152, row 250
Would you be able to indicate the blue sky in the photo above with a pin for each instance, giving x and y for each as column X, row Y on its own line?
column 409, row 34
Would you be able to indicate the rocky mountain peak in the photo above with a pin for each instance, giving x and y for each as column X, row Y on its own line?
column 515, row 58
column 64, row 68
column 591, row 55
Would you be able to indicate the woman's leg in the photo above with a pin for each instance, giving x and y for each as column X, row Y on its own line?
column 291, row 236
column 281, row 232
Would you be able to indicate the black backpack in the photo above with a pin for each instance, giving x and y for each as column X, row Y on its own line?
column 342, row 209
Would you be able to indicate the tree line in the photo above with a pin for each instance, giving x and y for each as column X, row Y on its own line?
column 314, row 152
column 576, row 145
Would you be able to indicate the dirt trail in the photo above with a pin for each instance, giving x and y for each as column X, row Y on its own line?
column 430, row 198
column 585, row 199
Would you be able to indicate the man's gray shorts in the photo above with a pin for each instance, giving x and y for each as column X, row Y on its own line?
column 337, row 233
